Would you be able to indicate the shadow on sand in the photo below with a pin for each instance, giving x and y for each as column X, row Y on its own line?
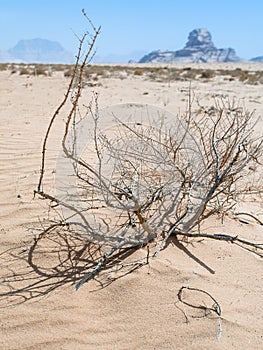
column 58, row 259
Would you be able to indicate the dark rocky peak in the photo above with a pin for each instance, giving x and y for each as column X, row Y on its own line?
column 199, row 38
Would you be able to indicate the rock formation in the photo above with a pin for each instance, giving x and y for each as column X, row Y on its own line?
column 199, row 48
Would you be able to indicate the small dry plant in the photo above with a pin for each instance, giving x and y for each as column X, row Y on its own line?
column 148, row 175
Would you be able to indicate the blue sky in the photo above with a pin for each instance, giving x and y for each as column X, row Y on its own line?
column 131, row 25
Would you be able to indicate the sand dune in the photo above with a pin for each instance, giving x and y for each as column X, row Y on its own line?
column 138, row 310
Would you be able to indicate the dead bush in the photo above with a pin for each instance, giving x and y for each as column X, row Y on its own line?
column 135, row 183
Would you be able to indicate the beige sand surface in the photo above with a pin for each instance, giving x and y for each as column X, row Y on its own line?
column 141, row 309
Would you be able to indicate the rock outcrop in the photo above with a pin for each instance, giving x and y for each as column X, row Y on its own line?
column 40, row 51
column 199, row 48
column 257, row 59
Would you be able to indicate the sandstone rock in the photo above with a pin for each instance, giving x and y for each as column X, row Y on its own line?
column 199, row 48
column 199, row 38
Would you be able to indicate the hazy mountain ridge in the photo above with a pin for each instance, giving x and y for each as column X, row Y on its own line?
column 199, row 48
column 38, row 51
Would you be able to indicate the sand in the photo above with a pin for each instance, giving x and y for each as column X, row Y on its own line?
column 141, row 309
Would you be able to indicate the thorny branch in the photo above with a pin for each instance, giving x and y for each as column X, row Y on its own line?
column 77, row 70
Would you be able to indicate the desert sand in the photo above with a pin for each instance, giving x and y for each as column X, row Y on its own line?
column 140, row 310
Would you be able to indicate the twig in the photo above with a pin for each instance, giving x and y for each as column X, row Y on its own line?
column 221, row 237
column 252, row 216
column 79, row 88
column 42, row 170
column 215, row 236
column 215, row 308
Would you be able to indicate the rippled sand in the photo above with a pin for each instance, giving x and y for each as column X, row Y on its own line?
column 140, row 310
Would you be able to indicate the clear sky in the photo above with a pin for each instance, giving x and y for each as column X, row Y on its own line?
column 131, row 25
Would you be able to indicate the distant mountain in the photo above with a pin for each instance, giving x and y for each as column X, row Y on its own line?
column 40, row 51
column 257, row 59
column 199, row 48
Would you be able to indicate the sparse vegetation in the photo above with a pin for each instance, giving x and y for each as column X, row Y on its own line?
column 159, row 74
column 68, row 72
column 138, row 71
column 4, row 66
column 25, row 71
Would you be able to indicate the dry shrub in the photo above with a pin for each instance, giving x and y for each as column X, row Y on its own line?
column 69, row 72
column 140, row 182
column 3, row 66
column 207, row 74
column 25, row 71
column 42, row 70
column 138, row 72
